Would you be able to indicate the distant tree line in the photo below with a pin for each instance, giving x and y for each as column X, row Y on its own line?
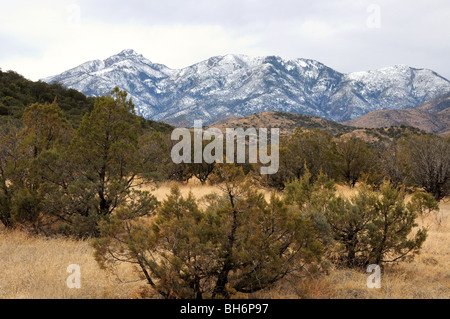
column 416, row 161
column 412, row 159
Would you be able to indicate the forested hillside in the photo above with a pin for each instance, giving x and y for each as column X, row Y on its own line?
column 17, row 93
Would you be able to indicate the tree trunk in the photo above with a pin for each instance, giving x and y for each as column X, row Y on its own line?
column 222, row 279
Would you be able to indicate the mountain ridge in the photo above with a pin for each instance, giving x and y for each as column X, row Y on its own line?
column 240, row 85
column 287, row 123
column 432, row 117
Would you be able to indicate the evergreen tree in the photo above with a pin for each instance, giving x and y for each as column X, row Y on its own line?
column 310, row 149
column 355, row 159
column 45, row 130
column 239, row 243
column 375, row 228
column 423, row 203
column 105, row 162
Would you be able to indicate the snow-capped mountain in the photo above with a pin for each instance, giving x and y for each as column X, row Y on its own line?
column 240, row 85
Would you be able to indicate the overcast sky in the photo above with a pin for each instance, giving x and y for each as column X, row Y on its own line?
column 43, row 38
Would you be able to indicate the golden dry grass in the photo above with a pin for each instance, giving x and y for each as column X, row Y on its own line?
column 36, row 267
column 194, row 185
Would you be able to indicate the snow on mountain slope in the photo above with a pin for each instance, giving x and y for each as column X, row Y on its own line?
column 239, row 85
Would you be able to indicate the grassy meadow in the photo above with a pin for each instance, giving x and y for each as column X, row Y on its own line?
column 36, row 267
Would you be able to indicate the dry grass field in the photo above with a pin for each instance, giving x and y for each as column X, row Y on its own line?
column 194, row 186
column 34, row 267
column 427, row 276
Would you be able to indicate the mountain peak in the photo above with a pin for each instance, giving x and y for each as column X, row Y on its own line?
column 128, row 52
column 124, row 55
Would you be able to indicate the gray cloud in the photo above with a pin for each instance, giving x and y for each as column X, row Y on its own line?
column 335, row 32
